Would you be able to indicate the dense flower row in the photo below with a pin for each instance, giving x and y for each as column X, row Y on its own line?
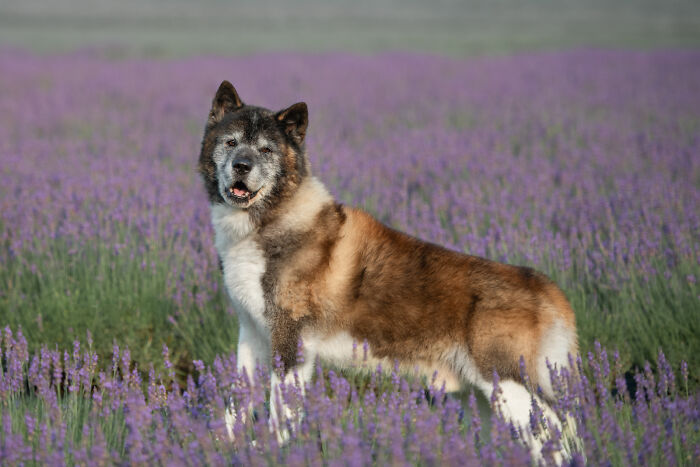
column 77, row 414
column 582, row 163
column 583, row 156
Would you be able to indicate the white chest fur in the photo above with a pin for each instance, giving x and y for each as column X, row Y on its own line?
column 243, row 262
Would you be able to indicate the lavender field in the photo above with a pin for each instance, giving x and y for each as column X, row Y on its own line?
column 583, row 164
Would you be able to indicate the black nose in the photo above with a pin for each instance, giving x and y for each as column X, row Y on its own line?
column 242, row 165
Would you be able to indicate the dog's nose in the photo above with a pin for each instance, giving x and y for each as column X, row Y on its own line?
column 242, row 165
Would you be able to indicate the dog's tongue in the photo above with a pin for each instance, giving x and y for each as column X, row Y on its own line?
column 240, row 192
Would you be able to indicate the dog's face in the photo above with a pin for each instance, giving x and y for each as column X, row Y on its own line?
column 252, row 156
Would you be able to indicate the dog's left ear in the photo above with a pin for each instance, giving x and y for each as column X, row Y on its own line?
column 294, row 120
column 226, row 100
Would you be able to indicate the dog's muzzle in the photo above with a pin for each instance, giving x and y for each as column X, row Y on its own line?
column 239, row 191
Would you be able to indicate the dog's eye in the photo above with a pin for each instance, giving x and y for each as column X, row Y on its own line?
column 231, row 143
column 266, row 150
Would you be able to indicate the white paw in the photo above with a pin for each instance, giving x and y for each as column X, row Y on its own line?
column 230, row 419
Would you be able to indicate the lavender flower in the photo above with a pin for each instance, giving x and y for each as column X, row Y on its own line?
column 582, row 163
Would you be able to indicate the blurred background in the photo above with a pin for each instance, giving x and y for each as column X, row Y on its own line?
column 174, row 28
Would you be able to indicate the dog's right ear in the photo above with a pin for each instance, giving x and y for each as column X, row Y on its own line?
column 226, row 100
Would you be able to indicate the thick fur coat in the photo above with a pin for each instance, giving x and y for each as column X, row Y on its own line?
column 300, row 267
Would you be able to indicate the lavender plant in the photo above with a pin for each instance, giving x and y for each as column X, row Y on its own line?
column 582, row 164
column 58, row 408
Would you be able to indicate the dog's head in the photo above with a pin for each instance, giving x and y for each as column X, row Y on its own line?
column 252, row 157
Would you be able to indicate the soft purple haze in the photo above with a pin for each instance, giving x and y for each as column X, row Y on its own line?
column 587, row 155
column 585, row 164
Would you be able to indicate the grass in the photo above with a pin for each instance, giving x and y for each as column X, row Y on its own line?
column 57, row 297
column 639, row 317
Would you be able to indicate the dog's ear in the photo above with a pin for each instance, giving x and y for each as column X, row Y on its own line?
column 294, row 120
column 226, row 100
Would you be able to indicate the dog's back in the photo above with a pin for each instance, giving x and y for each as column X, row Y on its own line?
column 422, row 304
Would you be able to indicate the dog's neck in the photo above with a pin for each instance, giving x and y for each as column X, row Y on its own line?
column 299, row 211
column 232, row 224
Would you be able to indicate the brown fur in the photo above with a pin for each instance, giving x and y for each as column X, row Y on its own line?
column 332, row 269
column 404, row 296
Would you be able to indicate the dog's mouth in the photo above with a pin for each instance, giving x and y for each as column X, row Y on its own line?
column 240, row 193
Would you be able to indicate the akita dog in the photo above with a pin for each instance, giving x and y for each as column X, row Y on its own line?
column 300, row 267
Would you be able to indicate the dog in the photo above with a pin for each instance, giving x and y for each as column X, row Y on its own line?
column 300, row 267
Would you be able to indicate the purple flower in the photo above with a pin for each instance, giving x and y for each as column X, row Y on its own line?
column 583, row 163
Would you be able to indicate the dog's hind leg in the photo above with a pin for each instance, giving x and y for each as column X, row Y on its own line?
column 557, row 350
column 516, row 404
column 514, row 399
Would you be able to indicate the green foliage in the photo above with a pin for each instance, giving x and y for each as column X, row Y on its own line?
column 118, row 301
column 58, row 296
column 641, row 316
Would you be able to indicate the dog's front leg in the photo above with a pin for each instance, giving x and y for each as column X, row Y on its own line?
column 253, row 347
column 288, row 386
column 253, row 350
